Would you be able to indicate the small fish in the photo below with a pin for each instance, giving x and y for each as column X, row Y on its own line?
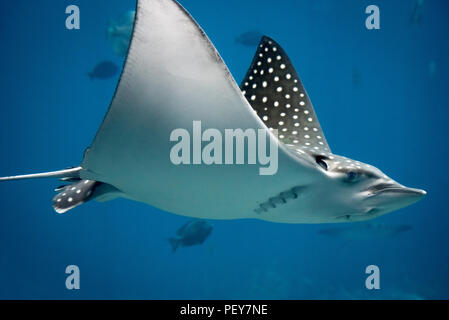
column 103, row 70
column 365, row 231
column 119, row 33
column 416, row 14
column 249, row 39
column 192, row 233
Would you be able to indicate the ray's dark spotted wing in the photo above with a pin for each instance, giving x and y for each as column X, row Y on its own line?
column 276, row 93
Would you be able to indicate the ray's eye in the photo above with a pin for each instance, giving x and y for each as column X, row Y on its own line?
column 351, row 176
column 320, row 161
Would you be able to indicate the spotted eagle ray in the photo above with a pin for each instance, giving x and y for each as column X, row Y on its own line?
column 173, row 75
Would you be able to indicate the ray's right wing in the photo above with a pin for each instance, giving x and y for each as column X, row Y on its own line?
column 173, row 75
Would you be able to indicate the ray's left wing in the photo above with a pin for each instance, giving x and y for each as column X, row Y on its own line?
column 276, row 93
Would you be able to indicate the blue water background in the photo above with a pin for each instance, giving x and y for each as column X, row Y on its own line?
column 381, row 97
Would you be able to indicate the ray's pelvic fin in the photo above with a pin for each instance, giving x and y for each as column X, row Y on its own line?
column 73, row 195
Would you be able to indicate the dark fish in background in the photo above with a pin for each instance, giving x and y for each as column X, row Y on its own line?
column 104, row 70
column 416, row 14
column 192, row 233
column 249, row 39
column 119, row 33
column 365, row 231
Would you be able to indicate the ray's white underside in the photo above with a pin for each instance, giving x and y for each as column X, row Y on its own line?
column 173, row 75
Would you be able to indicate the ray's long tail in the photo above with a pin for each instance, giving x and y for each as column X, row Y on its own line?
column 66, row 173
column 72, row 194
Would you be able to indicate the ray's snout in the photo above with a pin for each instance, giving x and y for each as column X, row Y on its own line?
column 400, row 191
column 389, row 197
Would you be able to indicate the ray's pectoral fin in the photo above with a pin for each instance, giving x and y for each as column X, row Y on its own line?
column 275, row 91
column 75, row 194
